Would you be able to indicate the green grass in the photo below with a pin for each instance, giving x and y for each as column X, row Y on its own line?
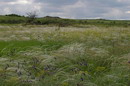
column 22, row 44
column 67, row 56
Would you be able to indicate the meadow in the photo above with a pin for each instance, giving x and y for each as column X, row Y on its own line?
column 84, row 55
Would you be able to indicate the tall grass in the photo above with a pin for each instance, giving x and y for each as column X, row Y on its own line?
column 67, row 56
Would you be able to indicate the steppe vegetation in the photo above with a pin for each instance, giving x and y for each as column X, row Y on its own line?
column 75, row 55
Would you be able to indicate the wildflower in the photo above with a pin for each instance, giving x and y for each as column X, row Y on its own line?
column 34, row 67
column 82, row 79
column 85, row 64
column 82, row 63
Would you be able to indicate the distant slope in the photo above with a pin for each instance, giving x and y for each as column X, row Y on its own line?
column 49, row 20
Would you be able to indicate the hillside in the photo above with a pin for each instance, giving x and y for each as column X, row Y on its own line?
column 48, row 20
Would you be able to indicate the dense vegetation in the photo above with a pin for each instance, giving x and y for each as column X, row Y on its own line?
column 67, row 56
column 48, row 20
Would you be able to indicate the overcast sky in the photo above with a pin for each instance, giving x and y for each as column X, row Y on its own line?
column 79, row 9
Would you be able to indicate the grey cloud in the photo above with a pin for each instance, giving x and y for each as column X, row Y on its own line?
column 7, row 0
column 109, row 9
column 57, row 2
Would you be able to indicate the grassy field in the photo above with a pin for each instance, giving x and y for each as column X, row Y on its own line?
column 85, row 55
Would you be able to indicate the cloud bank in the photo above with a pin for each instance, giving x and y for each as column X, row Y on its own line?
column 77, row 9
